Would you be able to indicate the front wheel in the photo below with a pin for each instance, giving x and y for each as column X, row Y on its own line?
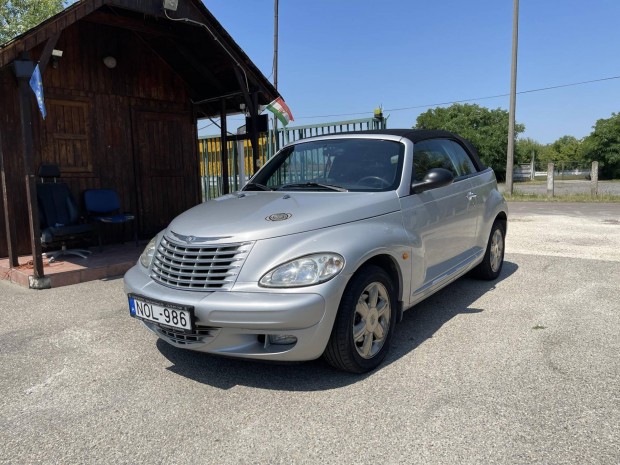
column 365, row 322
column 491, row 265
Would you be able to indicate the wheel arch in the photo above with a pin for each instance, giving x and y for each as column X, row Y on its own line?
column 502, row 218
column 390, row 266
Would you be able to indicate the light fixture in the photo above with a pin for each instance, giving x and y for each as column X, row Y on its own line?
column 171, row 5
column 109, row 62
column 56, row 56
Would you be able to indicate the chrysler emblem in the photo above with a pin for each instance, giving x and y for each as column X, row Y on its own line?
column 278, row 217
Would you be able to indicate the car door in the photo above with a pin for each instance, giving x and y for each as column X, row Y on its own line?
column 439, row 222
column 480, row 186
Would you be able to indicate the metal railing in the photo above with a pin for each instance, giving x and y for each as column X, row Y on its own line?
column 211, row 169
column 240, row 166
column 292, row 134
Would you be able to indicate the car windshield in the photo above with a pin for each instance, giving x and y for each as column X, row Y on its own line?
column 353, row 164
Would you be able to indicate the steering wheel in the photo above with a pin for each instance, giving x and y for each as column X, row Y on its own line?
column 375, row 179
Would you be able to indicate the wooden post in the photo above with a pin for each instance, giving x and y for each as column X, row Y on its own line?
column 35, row 228
column 251, row 104
column 532, row 168
column 241, row 157
column 224, row 149
column 550, row 174
column 594, row 179
column 23, row 72
column 254, row 131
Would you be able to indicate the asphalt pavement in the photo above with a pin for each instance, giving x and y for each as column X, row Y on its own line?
column 522, row 370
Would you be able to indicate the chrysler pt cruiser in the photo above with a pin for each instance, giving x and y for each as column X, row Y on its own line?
column 324, row 249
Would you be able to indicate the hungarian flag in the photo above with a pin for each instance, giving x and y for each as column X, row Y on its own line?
column 281, row 110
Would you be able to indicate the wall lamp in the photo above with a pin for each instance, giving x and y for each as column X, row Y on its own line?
column 109, row 62
column 171, row 5
column 56, row 56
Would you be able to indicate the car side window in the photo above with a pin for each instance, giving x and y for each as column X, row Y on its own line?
column 429, row 154
column 464, row 164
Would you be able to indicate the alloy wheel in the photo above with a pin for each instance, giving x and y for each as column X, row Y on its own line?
column 371, row 321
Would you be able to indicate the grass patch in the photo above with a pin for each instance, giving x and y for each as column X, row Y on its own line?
column 519, row 196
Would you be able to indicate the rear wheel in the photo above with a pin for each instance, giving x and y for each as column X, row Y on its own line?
column 491, row 265
column 364, row 325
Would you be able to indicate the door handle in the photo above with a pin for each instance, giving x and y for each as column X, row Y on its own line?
column 470, row 196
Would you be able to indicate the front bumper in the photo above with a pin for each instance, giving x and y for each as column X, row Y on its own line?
column 239, row 323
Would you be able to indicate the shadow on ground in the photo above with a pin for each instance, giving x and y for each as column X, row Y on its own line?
column 418, row 325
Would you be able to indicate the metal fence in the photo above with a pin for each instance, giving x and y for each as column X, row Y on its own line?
column 240, row 167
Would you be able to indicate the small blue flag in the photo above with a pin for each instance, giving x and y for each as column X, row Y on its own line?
column 36, row 83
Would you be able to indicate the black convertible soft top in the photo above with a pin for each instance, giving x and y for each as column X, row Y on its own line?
column 417, row 135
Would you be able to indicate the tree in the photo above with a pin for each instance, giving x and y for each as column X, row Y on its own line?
column 17, row 16
column 486, row 129
column 603, row 145
column 526, row 148
column 565, row 149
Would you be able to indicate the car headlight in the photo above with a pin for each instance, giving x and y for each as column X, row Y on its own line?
column 149, row 252
column 304, row 271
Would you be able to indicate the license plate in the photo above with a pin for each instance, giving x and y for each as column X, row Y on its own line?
column 162, row 313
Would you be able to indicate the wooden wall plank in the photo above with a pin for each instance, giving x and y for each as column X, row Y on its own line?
column 13, row 162
column 100, row 150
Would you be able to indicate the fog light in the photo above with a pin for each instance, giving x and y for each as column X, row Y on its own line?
column 282, row 339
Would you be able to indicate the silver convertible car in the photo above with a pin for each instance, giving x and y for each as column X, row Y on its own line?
column 322, row 251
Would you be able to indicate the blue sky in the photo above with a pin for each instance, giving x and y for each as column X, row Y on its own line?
column 343, row 56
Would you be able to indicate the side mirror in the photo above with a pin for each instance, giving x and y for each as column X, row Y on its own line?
column 437, row 177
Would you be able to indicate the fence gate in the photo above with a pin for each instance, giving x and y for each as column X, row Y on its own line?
column 240, row 167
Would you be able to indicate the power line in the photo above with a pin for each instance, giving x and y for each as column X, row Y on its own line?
column 541, row 89
column 216, row 124
column 530, row 91
column 205, row 127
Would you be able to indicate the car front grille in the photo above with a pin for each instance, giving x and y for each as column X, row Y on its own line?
column 198, row 267
column 199, row 335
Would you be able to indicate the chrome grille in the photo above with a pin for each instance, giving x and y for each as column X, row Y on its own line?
column 204, row 267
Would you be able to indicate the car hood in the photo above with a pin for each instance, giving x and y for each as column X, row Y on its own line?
column 250, row 216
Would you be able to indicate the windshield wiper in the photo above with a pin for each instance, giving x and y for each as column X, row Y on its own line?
column 311, row 185
column 256, row 186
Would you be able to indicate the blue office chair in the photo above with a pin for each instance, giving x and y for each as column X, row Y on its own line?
column 103, row 207
column 59, row 215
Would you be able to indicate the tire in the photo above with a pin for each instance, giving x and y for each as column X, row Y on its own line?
column 491, row 265
column 365, row 322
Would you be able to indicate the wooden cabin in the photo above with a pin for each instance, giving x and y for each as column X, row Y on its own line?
column 122, row 105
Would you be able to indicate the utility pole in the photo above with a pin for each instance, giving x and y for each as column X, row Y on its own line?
column 275, row 67
column 513, row 98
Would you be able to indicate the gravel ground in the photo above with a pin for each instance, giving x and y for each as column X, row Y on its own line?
column 523, row 370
